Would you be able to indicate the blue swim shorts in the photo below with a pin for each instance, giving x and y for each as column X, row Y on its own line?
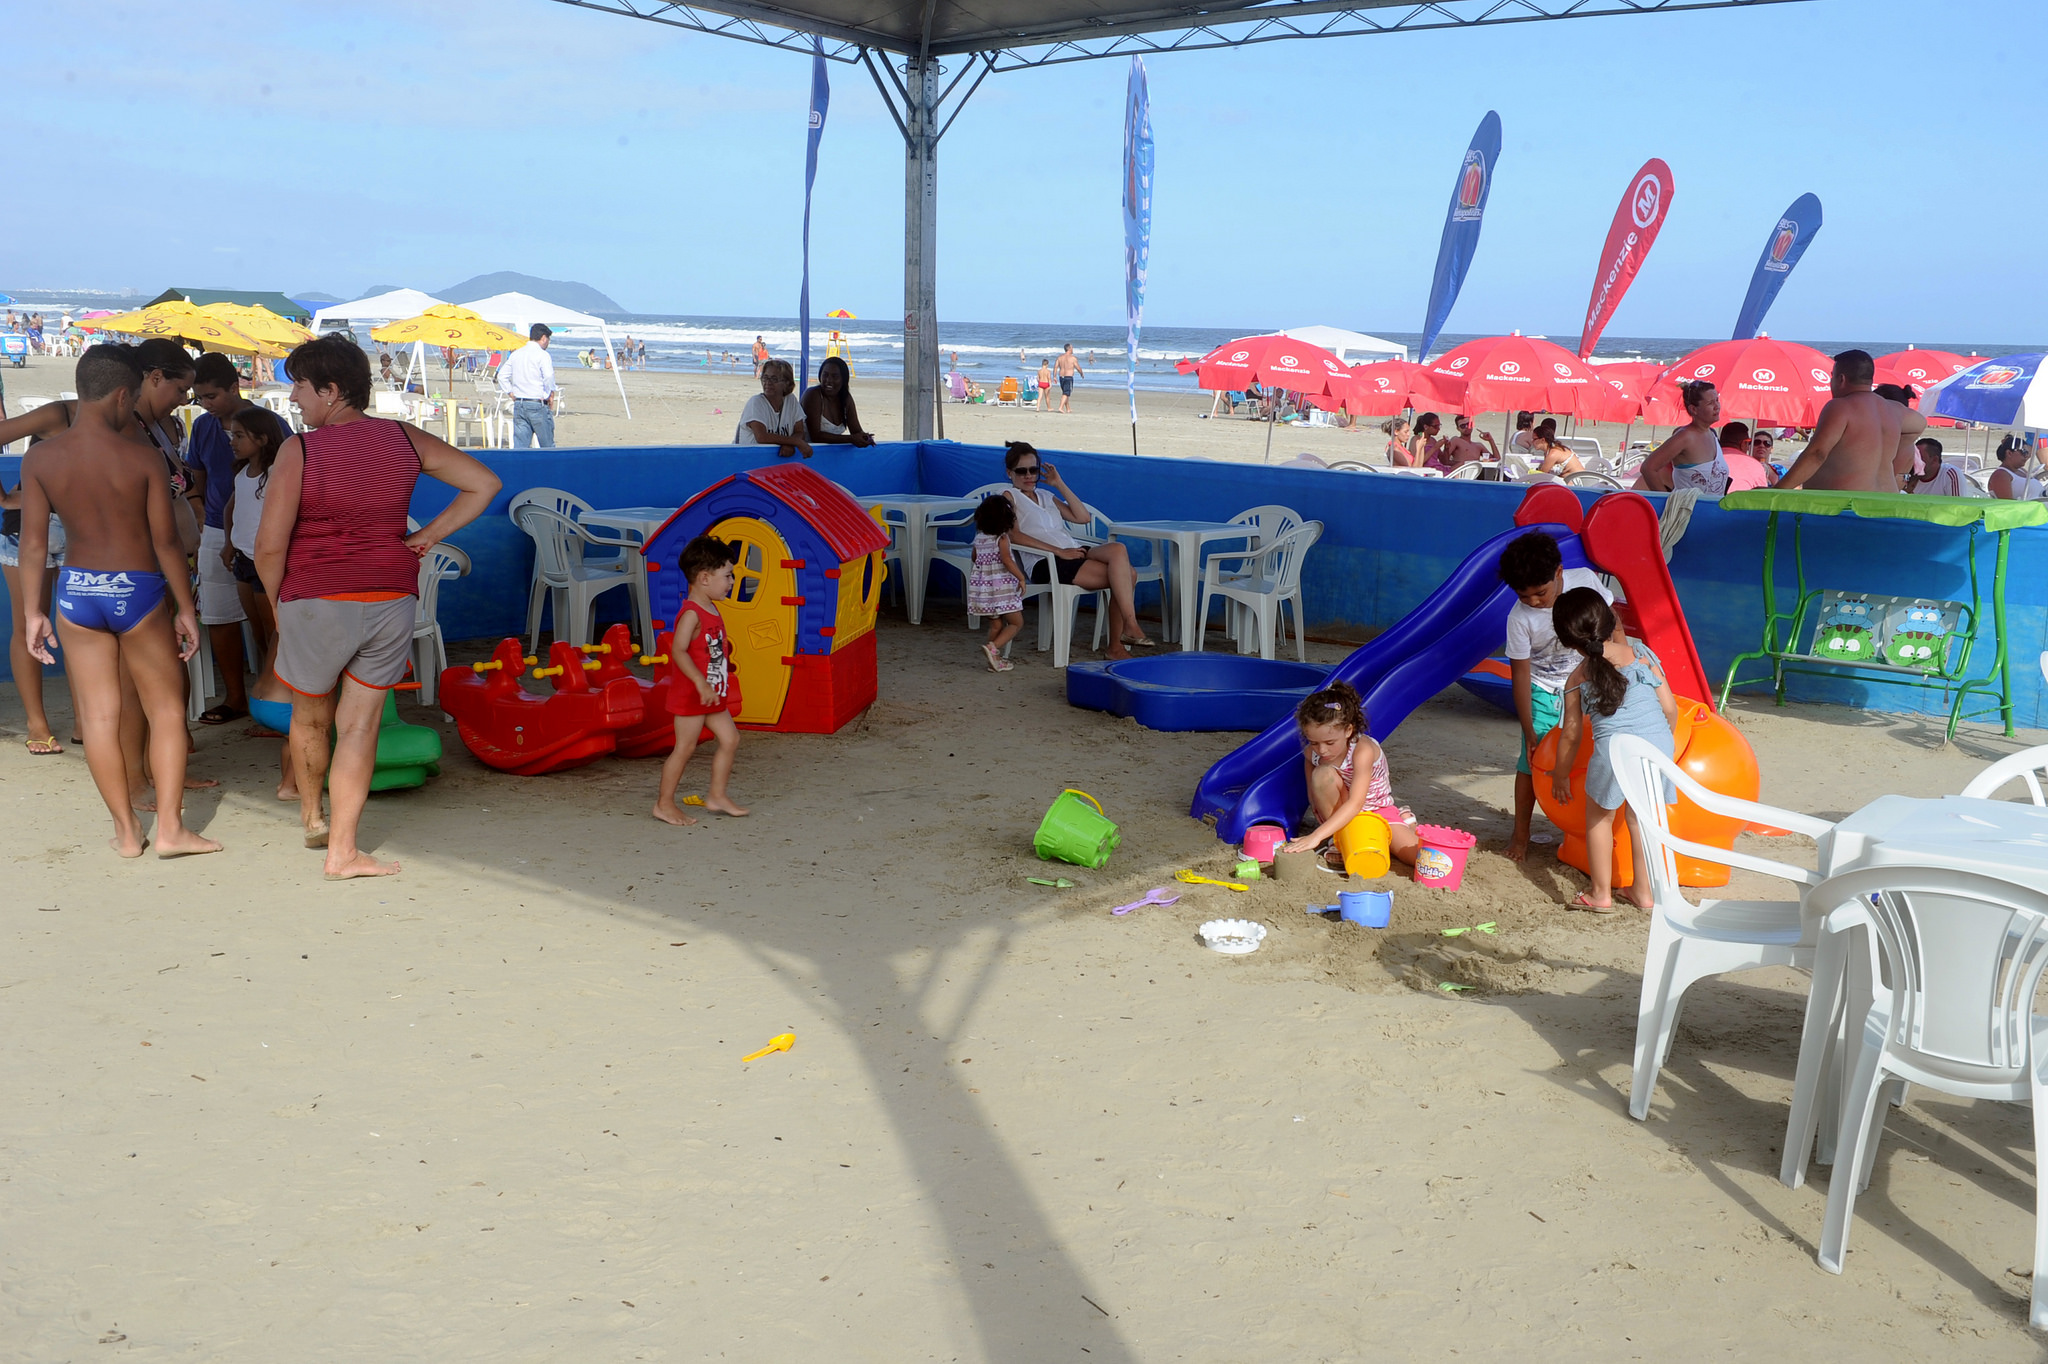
column 115, row 602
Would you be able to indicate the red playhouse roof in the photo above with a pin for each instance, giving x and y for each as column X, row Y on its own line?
column 851, row 532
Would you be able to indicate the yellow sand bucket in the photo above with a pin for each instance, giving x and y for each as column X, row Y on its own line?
column 1363, row 845
column 1076, row 830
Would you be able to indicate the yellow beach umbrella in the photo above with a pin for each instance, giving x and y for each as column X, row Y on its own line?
column 184, row 322
column 444, row 324
column 255, row 320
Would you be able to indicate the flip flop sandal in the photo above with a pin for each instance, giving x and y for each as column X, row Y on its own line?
column 44, row 748
column 221, row 715
column 1586, row 906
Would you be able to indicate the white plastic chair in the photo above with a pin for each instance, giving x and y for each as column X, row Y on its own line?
column 573, row 507
column 571, row 581
column 1268, row 581
column 1590, row 478
column 958, row 555
column 429, row 648
column 1690, row 942
column 1963, row 955
column 2029, row 766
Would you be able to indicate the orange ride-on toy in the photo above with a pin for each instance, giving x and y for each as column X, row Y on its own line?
column 511, row 729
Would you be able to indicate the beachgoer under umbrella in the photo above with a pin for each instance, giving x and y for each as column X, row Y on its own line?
column 829, row 413
column 1745, row 470
column 1043, row 514
column 1426, row 446
column 336, row 559
column 1462, row 449
column 1398, row 454
column 1554, row 457
column 2010, row 479
column 1691, row 458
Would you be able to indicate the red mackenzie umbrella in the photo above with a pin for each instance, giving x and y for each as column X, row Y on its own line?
column 1278, row 362
column 1508, row 373
column 1383, row 388
column 1779, row 382
column 1920, row 369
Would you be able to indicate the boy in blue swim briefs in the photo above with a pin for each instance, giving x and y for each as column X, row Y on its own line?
column 113, row 493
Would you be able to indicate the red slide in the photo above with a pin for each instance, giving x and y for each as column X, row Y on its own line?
column 1621, row 535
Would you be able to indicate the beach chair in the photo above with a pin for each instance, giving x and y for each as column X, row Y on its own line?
column 2029, row 766
column 1690, row 942
column 1963, row 955
column 1006, row 392
column 429, row 648
column 1268, row 581
column 956, row 386
column 572, row 582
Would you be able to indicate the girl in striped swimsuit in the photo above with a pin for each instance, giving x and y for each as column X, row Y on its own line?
column 1335, row 745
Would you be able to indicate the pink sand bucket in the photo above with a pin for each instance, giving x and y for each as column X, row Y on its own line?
column 1440, row 861
column 1261, row 839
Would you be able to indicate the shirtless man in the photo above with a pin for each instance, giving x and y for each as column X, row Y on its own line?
column 1857, row 439
column 1462, row 449
column 1912, row 426
column 1068, row 367
column 114, row 496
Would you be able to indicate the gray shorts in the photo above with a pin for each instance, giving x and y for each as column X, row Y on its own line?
column 320, row 640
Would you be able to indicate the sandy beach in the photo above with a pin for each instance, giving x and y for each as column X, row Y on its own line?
column 494, row 1108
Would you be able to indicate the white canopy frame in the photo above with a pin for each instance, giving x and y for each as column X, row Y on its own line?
column 520, row 311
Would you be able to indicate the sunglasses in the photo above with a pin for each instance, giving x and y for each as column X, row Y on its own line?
column 1025, row 471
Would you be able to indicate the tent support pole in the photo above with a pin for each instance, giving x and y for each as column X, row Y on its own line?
column 606, row 333
column 920, row 248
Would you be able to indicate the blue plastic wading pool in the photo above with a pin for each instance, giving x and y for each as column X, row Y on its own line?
column 1191, row 691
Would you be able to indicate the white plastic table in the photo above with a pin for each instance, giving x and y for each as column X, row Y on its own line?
column 1185, row 541
column 913, row 513
column 638, row 525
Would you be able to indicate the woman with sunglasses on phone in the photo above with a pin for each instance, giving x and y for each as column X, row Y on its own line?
column 1045, row 505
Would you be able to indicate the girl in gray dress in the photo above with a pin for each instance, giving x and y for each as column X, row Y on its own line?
column 1621, row 686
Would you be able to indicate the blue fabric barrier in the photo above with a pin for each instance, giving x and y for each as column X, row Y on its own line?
column 1388, row 541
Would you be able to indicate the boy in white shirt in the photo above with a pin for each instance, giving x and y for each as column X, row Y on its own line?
column 1539, row 665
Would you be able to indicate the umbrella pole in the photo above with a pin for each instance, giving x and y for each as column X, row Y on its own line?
column 1270, row 411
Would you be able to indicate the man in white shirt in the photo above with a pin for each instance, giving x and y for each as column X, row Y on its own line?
column 528, row 377
column 1938, row 479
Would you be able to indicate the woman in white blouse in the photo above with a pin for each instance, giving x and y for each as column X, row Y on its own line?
column 774, row 416
column 1043, row 514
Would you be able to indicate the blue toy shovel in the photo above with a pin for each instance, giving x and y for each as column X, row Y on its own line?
column 1155, row 896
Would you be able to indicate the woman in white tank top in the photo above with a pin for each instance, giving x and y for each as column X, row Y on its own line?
column 2010, row 479
column 1691, row 459
column 1043, row 514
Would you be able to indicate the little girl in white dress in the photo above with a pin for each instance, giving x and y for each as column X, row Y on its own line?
column 995, row 584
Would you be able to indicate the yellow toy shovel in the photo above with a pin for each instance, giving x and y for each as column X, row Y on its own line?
column 782, row 1041
column 1194, row 880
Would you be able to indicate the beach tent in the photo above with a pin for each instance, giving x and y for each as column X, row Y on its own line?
column 389, row 307
column 520, row 311
column 249, row 298
column 1351, row 347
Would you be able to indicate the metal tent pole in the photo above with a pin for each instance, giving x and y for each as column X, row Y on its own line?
column 920, row 248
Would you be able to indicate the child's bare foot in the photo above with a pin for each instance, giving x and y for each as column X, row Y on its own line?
column 1589, row 905
column 1518, row 849
column 129, row 845
column 669, row 813
column 183, row 843
column 724, row 805
column 362, row 864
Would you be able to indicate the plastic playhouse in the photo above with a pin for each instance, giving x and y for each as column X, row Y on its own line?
column 513, row 730
column 1906, row 641
column 1459, row 625
column 801, row 618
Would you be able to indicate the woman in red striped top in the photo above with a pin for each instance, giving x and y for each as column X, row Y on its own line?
column 343, row 575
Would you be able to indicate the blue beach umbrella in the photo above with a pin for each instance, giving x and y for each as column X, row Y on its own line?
column 2002, row 392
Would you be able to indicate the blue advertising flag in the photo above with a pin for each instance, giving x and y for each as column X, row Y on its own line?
column 821, row 99
column 1461, row 227
column 1137, row 217
column 1788, row 242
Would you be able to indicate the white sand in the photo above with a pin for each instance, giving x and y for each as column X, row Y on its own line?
column 493, row 1109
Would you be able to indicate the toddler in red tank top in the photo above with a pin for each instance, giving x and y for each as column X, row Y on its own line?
column 705, row 691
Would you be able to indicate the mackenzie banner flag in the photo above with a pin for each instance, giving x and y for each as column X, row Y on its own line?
column 821, row 99
column 1461, row 227
column 1137, row 212
column 1788, row 242
column 1636, row 224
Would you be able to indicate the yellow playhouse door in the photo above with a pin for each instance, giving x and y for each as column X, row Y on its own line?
column 759, row 619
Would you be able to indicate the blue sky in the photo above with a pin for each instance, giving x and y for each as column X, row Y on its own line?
column 303, row 146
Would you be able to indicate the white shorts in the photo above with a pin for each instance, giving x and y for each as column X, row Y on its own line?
column 220, row 600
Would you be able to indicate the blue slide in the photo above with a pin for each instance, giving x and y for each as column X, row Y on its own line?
column 1427, row 650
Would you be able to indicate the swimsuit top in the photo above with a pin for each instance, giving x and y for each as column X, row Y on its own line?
column 1381, row 791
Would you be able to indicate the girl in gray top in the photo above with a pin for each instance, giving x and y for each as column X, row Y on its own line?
column 1621, row 685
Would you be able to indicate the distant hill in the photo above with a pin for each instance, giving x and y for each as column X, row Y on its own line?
column 315, row 296
column 566, row 293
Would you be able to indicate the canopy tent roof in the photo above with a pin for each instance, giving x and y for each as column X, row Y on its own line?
column 1055, row 31
column 388, row 307
column 520, row 311
column 255, row 298
column 1343, row 344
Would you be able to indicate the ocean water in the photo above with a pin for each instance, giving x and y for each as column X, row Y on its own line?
column 990, row 350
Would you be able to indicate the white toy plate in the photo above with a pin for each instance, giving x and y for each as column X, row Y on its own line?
column 1232, row 937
